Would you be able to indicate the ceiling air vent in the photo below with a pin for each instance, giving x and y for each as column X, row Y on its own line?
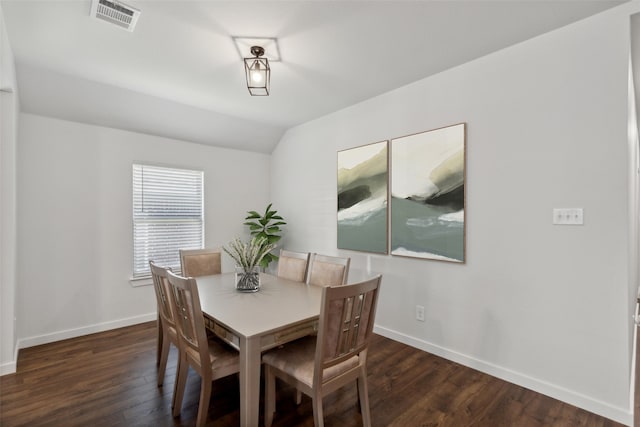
column 116, row 13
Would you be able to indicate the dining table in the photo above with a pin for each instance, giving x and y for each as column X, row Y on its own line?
column 253, row 322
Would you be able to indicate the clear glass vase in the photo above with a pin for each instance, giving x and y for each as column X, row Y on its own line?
column 248, row 280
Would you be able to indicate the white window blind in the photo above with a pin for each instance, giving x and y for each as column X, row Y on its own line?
column 168, row 216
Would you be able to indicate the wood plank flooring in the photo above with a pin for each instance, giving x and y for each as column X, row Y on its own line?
column 109, row 379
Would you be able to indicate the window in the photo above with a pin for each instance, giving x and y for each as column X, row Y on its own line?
column 168, row 216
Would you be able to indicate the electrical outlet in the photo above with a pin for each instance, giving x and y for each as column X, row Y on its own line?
column 420, row 313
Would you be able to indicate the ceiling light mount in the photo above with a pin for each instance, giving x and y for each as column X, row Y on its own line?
column 258, row 72
column 269, row 44
column 257, row 50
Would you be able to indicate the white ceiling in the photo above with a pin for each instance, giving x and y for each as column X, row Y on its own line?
column 179, row 74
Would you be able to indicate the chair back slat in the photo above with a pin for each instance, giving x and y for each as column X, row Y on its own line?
column 200, row 262
column 350, row 334
column 346, row 321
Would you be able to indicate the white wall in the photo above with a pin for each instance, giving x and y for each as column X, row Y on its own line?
column 75, row 227
column 540, row 305
column 8, row 127
column 634, row 193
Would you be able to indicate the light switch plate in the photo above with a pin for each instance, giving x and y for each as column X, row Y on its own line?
column 568, row 216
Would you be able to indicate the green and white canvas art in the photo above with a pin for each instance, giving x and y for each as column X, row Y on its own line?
column 427, row 194
column 363, row 174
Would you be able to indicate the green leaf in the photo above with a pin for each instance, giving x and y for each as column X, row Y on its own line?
column 267, row 227
column 273, row 238
column 268, row 258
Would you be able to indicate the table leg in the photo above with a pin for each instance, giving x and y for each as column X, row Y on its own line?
column 250, row 381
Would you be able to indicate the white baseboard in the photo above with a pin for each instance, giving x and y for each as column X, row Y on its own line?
column 621, row 415
column 85, row 330
column 8, row 368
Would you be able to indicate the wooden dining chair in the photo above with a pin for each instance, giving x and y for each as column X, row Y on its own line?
column 328, row 270
column 167, row 332
column 210, row 358
column 200, row 262
column 337, row 357
column 293, row 265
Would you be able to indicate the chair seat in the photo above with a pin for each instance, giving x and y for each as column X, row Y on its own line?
column 221, row 355
column 297, row 359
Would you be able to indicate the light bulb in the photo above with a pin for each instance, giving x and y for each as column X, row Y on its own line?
column 256, row 76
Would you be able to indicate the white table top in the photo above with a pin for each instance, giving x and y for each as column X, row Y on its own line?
column 278, row 303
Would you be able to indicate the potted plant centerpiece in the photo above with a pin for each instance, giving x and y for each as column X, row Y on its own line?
column 267, row 226
column 247, row 257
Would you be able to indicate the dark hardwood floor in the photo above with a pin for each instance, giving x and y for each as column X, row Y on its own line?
column 109, row 379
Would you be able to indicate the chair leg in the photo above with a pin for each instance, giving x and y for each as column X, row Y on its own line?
column 318, row 417
column 298, row 397
column 269, row 395
column 164, row 356
column 178, row 389
column 203, row 406
column 160, row 340
column 363, row 397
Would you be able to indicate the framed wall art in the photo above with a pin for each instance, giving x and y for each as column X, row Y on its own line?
column 428, row 194
column 363, row 191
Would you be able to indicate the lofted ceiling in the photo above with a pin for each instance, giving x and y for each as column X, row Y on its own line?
column 179, row 74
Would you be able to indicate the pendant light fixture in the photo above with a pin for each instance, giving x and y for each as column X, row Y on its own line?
column 258, row 72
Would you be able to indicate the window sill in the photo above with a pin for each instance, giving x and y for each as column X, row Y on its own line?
column 140, row 281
